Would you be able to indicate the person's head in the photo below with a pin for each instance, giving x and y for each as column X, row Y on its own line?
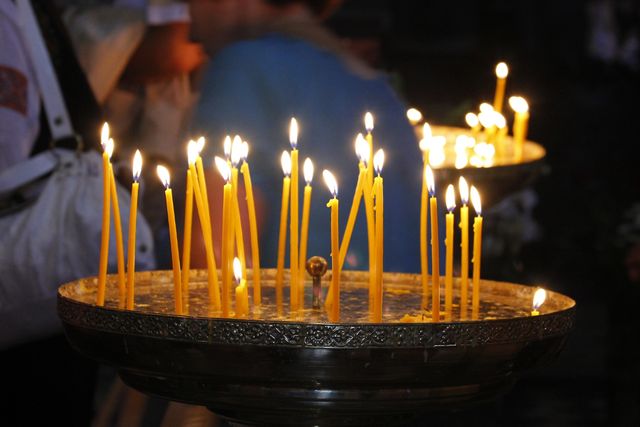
column 217, row 22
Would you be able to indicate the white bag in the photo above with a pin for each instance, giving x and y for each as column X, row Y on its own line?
column 56, row 239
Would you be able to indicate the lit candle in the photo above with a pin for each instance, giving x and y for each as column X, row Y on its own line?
column 186, row 234
column 435, row 250
column 368, row 125
column 521, row 119
column 117, row 221
column 294, row 299
column 368, row 206
column 502, row 71
column 539, row 298
column 253, row 226
column 378, row 163
column 202, row 185
column 464, row 245
column 163, row 174
column 357, row 196
column 227, row 234
column 414, row 115
column 334, row 314
column 107, row 145
column 226, row 147
column 285, row 160
column 304, row 231
column 236, row 157
column 474, row 123
column 487, row 120
column 477, row 251
column 212, row 269
column 131, row 242
column 242, row 295
column 424, row 255
column 448, row 275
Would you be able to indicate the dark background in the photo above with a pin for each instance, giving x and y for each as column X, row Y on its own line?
column 584, row 112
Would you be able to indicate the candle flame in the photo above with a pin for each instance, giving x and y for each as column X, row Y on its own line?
column 450, row 198
column 108, row 147
column 414, row 115
column 223, row 168
column 426, row 131
column 331, row 182
column 485, row 107
column 137, row 165
column 428, row 176
column 200, row 144
column 192, row 152
column 362, row 149
column 539, row 297
column 502, row 70
column 368, row 122
column 518, row 104
column 244, row 151
column 471, row 119
column 293, row 133
column 464, row 190
column 308, row 170
column 285, row 161
column 237, row 269
column 487, row 119
column 475, row 200
column 163, row 174
column 499, row 120
column 226, row 147
column 104, row 134
column 378, row 161
column 236, row 151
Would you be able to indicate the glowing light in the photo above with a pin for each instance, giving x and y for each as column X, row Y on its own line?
column 223, row 168
column 163, row 174
column 200, row 144
column 244, row 151
column 293, row 133
column 502, row 70
column 471, row 119
column 450, row 198
column 108, row 147
column 414, row 115
column 137, row 165
column 226, row 147
column 192, row 152
column 236, row 151
column 463, row 187
column 499, row 120
column 104, row 134
column 378, row 161
column 307, row 169
column 487, row 119
column 428, row 176
column 362, row 149
column 331, row 182
column 285, row 161
column 368, row 121
column 475, row 200
column 539, row 297
column 518, row 104
column 485, row 107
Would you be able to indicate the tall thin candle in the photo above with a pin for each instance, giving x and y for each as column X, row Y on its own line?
column 285, row 161
column 448, row 275
column 521, row 108
column 294, row 299
column 227, row 234
column 186, row 237
column 107, row 144
column 502, row 71
column 253, row 226
column 304, row 231
column 242, row 295
column 464, row 246
column 477, row 251
column 368, row 125
column 117, row 221
column 435, row 247
column 131, row 241
column 424, row 254
column 333, row 204
column 378, row 162
column 236, row 157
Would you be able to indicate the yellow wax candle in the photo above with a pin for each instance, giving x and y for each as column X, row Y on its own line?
column 212, row 269
column 333, row 204
column 186, row 237
column 163, row 173
column 521, row 119
column 294, row 299
column 539, row 297
column 502, row 71
column 253, row 226
column 378, row 163
column 242, row 300
column 477, row 252
column 237, row 220
column 435, row 248
column 286, row 184
column 227, row 234
column 106, row 215
column 424, row 255
column 117, row 221
column 368, row 205
column 368, row 125
column 304, row 230
column 202, row 184
column 464, row 245
column 131, row 241
column 448, row 275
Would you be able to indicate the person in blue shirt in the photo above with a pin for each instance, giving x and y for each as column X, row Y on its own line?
column 273, row 60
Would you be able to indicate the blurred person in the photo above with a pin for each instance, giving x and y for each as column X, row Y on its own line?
column 272, row 60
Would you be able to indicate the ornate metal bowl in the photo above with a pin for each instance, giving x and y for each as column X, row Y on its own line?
column 271, row 370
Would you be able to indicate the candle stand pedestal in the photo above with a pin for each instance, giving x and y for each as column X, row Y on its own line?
column 302, row 370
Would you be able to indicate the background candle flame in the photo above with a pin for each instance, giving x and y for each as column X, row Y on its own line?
column 223, row 168
column 539, row 298
column 428, row 176
column 502, row 70
column 471, row 119
column 487, row 118
column 192, row 152
column 244, row 152
column 137, row 165
column 104, row 134
column 498, row 120
column 464, row 190
column 518, row 104
column 108, row 147
column 368, row 121
column 226, row 147
column 378, row 161
column 200, row 144
column 362, row 149
column 285, row 161
column 475, row 200
column 237, row 269
column 450, row 198
column 236, row 151
column 308, row 170
column 485, row 107
column 163, row 174
column 293, row 133
column 331, row 182
column 414, row 115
